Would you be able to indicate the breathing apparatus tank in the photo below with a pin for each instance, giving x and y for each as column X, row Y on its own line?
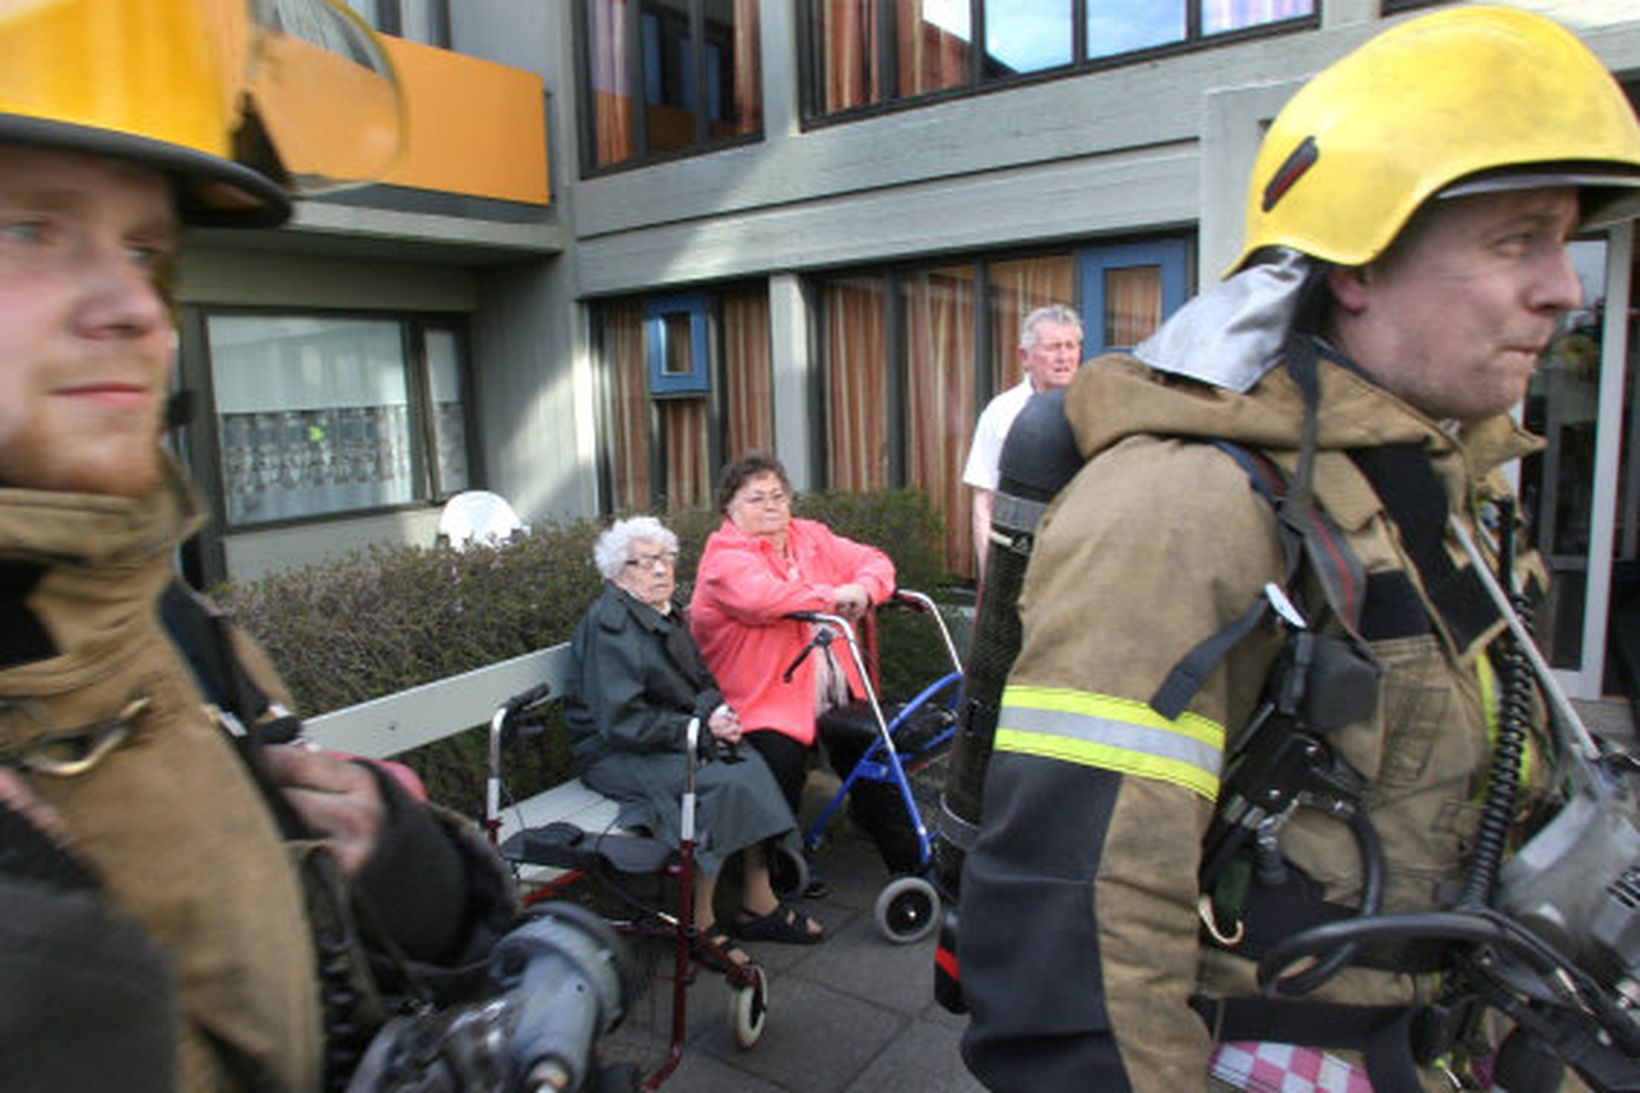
column 1039, row 457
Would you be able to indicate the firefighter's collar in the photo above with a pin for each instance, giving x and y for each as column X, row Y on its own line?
column 1232, row 334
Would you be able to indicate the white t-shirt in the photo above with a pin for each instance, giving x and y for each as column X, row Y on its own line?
column 983, row 469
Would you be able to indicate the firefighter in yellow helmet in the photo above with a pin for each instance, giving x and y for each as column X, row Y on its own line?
column 178, row 904
column 1263, row 549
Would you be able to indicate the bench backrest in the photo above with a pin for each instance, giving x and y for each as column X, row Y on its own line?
column 398, row 722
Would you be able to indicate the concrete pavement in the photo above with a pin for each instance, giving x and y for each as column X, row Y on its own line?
column 855, row 1013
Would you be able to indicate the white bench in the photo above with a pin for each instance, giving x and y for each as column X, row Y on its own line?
column 395, row 723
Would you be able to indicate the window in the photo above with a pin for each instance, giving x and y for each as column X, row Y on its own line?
column 666, row 77
column 909, row 357
column 675, row 337
column 862, row 54
column 664, row 440
column 1127, row 289
column 318, row 415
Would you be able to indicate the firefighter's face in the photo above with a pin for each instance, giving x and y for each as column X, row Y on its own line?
column 1454, row 317
column 85, row 336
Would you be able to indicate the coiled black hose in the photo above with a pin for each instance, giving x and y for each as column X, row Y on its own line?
column 1514, row 719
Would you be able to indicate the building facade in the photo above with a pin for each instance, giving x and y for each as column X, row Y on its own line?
column 805, row 225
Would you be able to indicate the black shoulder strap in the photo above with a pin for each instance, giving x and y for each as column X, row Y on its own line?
column 1306, row 534
column 206, row 640
column 1403, row 476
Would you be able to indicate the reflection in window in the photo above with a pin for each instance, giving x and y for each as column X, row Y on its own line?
column 1120, row 26
column 313, row 415
column 865, row 53
column 1026, row 36
column 1219, row 16
column 655, row 63
column 1557, row 484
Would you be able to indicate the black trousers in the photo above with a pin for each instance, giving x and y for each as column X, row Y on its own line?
column 787, row 760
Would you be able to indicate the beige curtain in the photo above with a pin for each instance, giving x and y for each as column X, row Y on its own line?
column 856, row 371
column 1133, row 305
column 607, row 71
column 747, row 373
column 1019, row 287
column 687, row 469
column 629, row 410
column 940, row 408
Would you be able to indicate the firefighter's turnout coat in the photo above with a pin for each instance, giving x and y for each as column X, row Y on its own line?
column 1080, row 944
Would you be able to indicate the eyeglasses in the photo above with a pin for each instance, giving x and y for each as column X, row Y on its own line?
column 654, row 561
column 757, row 500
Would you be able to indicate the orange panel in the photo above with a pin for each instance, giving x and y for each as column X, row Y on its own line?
column 475, row 127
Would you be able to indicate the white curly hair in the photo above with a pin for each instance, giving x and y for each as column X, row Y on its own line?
column 612, row 550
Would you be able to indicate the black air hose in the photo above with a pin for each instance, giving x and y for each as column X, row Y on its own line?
column 1514, row 720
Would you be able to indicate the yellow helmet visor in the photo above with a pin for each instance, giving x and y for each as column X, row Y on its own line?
column 237, row 100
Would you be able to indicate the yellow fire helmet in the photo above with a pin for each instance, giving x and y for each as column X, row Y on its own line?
column 240, row 102
column 1458, row 101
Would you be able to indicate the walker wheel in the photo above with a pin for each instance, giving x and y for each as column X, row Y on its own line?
column 748, row 1009
column 788, row 872
column 907, row 910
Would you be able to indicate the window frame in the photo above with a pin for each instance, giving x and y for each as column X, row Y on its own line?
column 698, row 379
column 1170, row 253
column 202, row 446
column 811, row 67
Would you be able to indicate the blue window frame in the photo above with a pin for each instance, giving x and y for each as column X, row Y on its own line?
column 675, row 344
column 1115, row 277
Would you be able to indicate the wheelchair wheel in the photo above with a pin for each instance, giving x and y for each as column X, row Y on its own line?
column 907, row 910
column 788, row 872
column 748, row 1010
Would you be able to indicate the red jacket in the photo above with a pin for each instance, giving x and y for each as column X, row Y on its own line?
column 743, row 591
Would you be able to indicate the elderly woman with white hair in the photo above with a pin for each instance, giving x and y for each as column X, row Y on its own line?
column 638, row 680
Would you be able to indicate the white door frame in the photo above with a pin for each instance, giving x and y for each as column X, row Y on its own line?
column 1585, row 680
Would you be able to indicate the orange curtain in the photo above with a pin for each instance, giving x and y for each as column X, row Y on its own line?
column 847, row 31
column 1133, row 305
column 1018, row 288
column 748, row 67
column 856, row 372
column 629, row 410
column 940, row 410
column 747, row 373
column 931, row 58
column 607, row 71
column 684, row 423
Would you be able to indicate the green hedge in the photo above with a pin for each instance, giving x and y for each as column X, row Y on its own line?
column 381, row 621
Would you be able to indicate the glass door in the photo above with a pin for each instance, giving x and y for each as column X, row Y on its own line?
column 1579, row 500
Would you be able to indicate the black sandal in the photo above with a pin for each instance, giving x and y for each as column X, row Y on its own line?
column 715, row 949
column 783, row 925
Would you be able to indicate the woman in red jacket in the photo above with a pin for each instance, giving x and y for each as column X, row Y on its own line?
column 759, row 567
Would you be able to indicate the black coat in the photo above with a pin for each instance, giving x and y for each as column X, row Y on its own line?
column 638, row 679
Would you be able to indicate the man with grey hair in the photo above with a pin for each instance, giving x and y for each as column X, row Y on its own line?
column 1050, row 349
